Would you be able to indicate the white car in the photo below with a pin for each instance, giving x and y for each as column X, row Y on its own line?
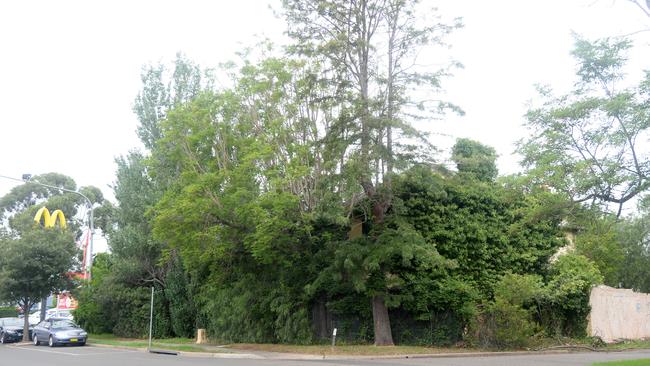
column 35, row 318
column 59, row 314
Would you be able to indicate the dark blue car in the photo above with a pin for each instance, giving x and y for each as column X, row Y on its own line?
column 58, row 331
column 11, row 330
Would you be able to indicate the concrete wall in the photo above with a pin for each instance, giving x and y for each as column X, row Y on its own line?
column 619, row 314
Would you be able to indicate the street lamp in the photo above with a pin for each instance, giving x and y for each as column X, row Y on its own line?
column 26, row 178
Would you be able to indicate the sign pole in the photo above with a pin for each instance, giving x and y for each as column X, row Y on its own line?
column 151, row 318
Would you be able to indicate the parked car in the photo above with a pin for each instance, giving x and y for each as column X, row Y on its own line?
column 58, row 331
column 11, row 330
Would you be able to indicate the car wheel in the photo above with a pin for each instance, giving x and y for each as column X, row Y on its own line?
column 51, row 342
column 82, row 344
column 2, row 338
column 36, row 342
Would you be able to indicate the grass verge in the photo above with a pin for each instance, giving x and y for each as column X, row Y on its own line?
column 187, row 345
column 640, row 344
column 643, row 362
column 171, row 344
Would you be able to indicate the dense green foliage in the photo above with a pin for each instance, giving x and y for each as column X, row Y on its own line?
column 300, row 198
column 525, row 305
column 484, row 227
column 475, row 160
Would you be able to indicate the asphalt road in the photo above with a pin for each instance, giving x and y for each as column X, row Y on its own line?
column 93, row 356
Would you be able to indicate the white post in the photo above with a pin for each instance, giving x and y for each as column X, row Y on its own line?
column 151, row 318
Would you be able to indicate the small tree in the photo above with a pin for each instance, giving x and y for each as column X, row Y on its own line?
column 35, row 261
column 475, row 159
column 570, row 281
column 35, row 265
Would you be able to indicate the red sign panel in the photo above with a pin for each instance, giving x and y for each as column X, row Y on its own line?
column 65, row 301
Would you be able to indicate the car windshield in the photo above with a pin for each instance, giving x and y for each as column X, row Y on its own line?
column 63, row 324
column 13, row 322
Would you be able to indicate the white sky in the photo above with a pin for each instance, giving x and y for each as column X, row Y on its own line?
column 70, row 70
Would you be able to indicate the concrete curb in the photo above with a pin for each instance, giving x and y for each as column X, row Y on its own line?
column 98, row 345
column 477, row 354
column 183, row 353
column 220, row 355
column 449, row 355
column 22, row 344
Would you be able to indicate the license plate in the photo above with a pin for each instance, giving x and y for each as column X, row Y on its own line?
column 73, row 339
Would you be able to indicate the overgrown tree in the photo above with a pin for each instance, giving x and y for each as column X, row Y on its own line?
column 138, row 260
column 369, row 83
column 588, row 144
column 161, row 92
column 250, row 188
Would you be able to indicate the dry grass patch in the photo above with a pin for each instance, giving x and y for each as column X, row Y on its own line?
column 350, row 350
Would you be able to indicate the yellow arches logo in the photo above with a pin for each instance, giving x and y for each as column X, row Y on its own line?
column 50, row 220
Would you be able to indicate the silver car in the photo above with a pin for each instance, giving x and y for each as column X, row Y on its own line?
column 58, row 331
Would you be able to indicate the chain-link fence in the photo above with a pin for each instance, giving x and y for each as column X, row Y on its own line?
column 440, row 329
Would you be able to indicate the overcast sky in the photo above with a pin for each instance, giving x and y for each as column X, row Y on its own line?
column 70, row 69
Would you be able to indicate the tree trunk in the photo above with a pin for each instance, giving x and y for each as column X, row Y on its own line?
column 381, row 320
column 43, row 308
column 383, row 335
column 26, row 306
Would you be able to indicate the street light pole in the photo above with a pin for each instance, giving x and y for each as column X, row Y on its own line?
column 27, row 179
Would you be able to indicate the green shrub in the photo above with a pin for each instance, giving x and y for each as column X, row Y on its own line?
column 251, row 311
column 89, row 314
column 566, row 306
column 506, row 326
column 519, row 290
column 8, row 312
column 508, row 322
column 182, row 314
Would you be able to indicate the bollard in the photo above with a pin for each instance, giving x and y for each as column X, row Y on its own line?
column 333, row 338
column 201, row 338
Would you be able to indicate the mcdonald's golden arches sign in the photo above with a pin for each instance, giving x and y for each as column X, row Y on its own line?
column 50, row 220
